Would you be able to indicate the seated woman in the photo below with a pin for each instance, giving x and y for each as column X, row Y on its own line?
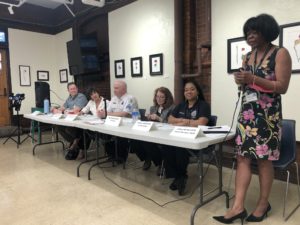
column 163, row 104
column 192, row 112
column 95, row 104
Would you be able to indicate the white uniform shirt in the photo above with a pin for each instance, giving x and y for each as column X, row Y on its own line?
column 91, row 107
column 124, row 104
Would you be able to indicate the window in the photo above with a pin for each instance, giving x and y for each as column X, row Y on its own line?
column 2, row 36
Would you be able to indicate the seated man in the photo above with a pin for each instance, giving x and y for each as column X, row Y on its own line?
column 74, row 103
column 121, row 104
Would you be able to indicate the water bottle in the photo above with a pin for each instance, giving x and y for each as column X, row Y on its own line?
column 135, row 115
column 46, row 106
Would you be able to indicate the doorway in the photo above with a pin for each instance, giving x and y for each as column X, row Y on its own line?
column 4, row 90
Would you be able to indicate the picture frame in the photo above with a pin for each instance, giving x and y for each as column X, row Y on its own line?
column 237, row 48
column 156, row 64
column 24, row 73
column 42, row 75
column 120, row 68
column 63, row 76
column 136, row 67
column 290, row 39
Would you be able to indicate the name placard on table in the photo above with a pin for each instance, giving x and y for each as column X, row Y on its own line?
column 186, row 132
column 143, row 125
column 113, row 121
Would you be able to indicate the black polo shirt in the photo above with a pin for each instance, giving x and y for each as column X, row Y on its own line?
column 199, row 109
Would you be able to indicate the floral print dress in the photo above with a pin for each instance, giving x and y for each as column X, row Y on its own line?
column 258, row 130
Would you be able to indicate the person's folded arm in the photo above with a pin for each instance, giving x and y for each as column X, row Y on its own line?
column 178, row 121
column 121, row 114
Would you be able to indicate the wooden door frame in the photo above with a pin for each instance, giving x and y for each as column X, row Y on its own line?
column 5, row 46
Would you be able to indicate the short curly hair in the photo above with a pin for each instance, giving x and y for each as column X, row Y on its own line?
column 264, row 24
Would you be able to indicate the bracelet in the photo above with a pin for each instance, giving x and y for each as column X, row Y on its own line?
column 274, row 86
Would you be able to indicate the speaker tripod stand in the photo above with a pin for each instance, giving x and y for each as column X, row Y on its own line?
column 17, row 131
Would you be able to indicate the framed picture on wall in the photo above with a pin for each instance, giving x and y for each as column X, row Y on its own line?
column 63, row 76
column 42, row 75
column 24, row 73
column 290, row 39
column 237, row 49
column 136, row 67
column 120, row 68
column 156, row 64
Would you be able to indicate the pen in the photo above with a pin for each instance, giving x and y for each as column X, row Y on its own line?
column 214, row 127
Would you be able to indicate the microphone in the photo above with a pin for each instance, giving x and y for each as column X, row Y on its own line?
column 241, row 88
column 105, row 108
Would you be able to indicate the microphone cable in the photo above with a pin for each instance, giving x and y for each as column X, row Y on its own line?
column 57, row 95
column 150, row 199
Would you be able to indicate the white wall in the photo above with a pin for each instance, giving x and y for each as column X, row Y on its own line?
column 143, row 28
column 228, row 18
column 40, row 52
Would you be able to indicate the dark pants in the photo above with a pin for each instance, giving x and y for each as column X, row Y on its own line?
column 122, row 149
column 72, row 133
column 147, row 151
column 175, row 161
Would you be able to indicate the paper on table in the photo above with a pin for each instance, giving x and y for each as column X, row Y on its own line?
column 35, row 113
column 164, row 126
column 95, row 122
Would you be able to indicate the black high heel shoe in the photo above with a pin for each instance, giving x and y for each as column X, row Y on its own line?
column 253, row 218
column 240, row 216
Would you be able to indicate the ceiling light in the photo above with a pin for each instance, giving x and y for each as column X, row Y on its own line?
column 97, row 3
column 10, row 10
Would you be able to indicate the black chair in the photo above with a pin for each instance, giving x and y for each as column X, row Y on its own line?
column 205, row 155
column 287, row 159
column 142, row 114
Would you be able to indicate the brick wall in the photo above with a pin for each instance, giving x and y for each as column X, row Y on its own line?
column 196, row 43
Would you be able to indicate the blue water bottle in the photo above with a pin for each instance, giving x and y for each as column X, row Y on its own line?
column 46, row 106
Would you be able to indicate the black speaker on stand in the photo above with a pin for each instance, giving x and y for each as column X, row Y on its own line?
column 42, row 92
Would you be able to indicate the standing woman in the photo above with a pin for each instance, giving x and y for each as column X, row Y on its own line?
column 265, row 76
column 192, row 112
column 163, row 104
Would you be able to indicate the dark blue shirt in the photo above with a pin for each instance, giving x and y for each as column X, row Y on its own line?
column 199, row 109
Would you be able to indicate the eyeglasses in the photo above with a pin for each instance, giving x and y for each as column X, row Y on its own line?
column 160, row 97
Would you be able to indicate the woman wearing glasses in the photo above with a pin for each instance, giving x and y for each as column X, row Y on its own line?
column 163, row 105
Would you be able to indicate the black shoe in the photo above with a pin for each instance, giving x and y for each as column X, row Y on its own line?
column 173, row 185
column 181, row 183
column 147, row 164
column 240, row 216
column 253, row 218
column 71, row 154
